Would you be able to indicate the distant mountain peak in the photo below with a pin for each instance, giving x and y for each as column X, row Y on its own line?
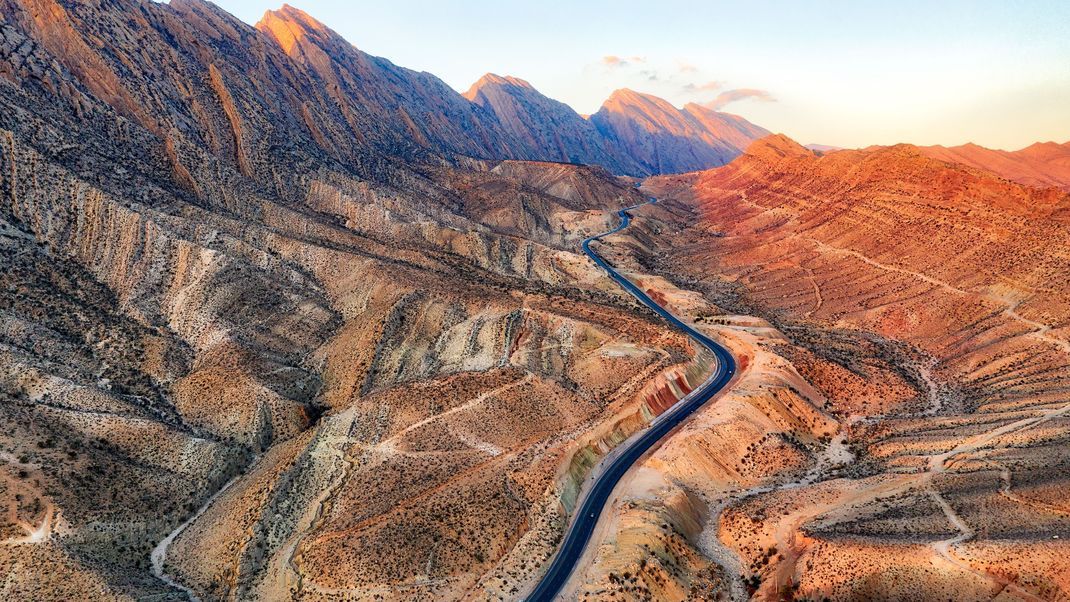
column 1044, row 148
column 493, row 79
column 288, row 25
column 502, row 80
column 695, row 107
column 627, row 97
column 822, row 148
column 646, row 111
column 296, row 15
column 662, row 138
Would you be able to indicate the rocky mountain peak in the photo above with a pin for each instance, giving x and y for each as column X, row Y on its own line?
column 1039, row 164
column 493, row 80
column 1045, row 150
column 288, row 25
column 665, row 139
column 628, row 100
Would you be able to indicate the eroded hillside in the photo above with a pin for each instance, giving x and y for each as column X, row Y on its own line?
column 278, row 320
column 926, row 303
column 265, row 336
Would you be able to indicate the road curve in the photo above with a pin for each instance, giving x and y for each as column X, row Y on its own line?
column 591, row 505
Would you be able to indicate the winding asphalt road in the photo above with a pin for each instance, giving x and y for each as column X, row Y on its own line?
column 586, row 517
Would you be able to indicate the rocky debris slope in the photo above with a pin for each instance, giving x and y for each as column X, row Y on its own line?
column 94, row 454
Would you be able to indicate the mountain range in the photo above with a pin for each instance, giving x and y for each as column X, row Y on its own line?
column 506, row 117
column 632, row 133
column 1039, row 164
column 290, row 79
column 282, row 320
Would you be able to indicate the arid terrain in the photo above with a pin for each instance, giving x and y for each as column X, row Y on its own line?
column 1040, row 164
column 282, row 320
column 945, row 365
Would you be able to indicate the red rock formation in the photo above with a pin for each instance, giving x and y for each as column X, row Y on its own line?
column 904, row 270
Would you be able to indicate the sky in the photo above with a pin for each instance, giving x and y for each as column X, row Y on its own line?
column 841, row 73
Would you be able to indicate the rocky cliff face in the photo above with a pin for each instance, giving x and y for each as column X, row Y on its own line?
column 548, row 129
column 391, row 106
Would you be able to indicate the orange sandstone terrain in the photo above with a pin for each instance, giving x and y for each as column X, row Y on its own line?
column 1040, row 164
column 926, row 304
